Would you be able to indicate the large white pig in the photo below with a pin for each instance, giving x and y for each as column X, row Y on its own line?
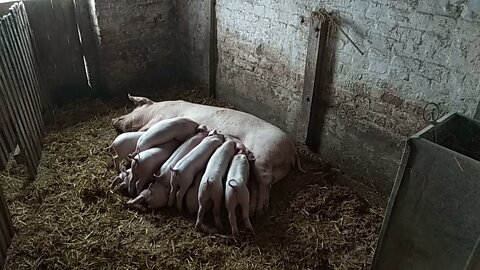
column 123, row 145
column 185, row 170
column 211, row 185
column 146, row 163
column 236, row 191
column 178, row 129
column 274, row 150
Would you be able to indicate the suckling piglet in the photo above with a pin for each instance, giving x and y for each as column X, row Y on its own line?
column 182, row 150
column 191, row 198
column 156, row 195
column 241, row 148
column 184, row 171
column 179, row 129
column 122, row 181
column 236, row 191
column 147, row 162
column 123, row 145
column 211, row 185
column 121, row 178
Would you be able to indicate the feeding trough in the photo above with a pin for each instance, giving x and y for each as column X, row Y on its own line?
column 432, row 220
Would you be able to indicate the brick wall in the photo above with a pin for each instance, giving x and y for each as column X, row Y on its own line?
column 137, row 42
column 415, row 52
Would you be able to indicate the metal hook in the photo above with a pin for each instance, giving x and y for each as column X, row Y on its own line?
column 431, row 113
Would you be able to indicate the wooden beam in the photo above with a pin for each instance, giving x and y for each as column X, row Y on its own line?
column 317, row 41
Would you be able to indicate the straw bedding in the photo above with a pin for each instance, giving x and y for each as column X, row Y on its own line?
column 68, row 218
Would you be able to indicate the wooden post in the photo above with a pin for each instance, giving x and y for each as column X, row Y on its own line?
column 317, row 42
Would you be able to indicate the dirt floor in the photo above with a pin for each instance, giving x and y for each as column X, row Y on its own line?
column 69, row 218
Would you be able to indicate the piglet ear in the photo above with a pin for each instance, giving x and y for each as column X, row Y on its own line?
column 139, row 199
column 139, row 101
column 250, row 156
column 213, row 132
column 202, row 127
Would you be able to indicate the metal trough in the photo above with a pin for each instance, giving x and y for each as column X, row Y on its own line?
column 433, row 214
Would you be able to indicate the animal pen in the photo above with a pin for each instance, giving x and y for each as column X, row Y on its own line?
column 66, row 67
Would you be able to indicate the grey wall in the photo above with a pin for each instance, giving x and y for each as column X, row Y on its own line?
column 193, row 51
column 415, row 52
column 137, row 42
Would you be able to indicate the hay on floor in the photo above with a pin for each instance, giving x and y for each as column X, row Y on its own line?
column 68, row 218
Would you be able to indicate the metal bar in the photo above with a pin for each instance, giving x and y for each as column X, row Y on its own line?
column 3, row 152
column 8, row 84
column 26, row 53
column 32, row 105
column 23, row 92
column 29, row 58
column 6, row 126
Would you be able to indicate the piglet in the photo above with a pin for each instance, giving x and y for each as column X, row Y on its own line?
column 170, row 129
column 191, row 197
column 184, row 171
column 182, row 150
column 122, row 181
column 240, row 147
column 121, row 178
column 156, row 195
column 236, row 191
column 211, row 185
column 147, row 162
column 123, row 145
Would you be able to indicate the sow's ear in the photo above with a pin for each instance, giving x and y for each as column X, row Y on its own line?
column 139, row 101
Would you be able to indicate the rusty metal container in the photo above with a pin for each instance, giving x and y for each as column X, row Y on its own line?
column 433, row 215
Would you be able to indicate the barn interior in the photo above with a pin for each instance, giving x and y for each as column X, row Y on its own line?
column 381, row 97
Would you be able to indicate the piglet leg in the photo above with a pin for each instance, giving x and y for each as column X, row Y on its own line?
column 217, row 204
column 246, row 218
column 115, row 163
column 180, row 195
column 233, row 220
column 253, row 187
column 200, row 215
column 171, row 196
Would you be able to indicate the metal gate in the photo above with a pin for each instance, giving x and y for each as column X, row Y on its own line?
column 22, row 101
column 22, row 97
column 46, row 48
